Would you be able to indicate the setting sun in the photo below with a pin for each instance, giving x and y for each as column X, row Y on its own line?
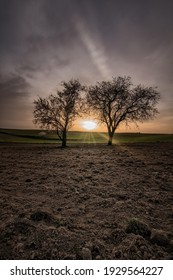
column 88, row 124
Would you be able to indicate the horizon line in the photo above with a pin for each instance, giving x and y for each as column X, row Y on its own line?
column 89, row 131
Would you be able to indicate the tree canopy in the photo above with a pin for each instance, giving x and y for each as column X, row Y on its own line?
column 112, row 102
column 60, row 110
column 118, row 101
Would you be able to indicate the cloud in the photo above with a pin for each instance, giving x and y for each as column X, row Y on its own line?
column 14, row 100
column 45, row 42
column 94, row 49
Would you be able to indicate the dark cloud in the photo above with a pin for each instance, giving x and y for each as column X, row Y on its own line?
column 47, row 41
column 12, row 87
column 14, row 100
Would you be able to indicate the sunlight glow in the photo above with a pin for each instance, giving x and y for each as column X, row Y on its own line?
column 88, row 124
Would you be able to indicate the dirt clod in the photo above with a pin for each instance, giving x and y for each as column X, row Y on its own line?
column 137, row 227
column 41, row 216
column 86, row 254
column 159, row 237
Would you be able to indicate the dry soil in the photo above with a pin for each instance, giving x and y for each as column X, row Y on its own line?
column 86, row 201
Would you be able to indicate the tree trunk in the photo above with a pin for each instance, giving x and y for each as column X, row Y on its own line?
column 64, row 139
column 110, row 139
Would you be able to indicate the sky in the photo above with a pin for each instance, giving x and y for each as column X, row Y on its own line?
column 45, row 42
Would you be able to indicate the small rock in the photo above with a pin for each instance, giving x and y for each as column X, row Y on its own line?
column 86, row 254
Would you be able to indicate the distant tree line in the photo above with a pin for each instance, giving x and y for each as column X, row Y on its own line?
column 111, row 102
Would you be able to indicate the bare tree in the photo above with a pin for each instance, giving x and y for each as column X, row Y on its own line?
column 60, row 110
column 118, row 101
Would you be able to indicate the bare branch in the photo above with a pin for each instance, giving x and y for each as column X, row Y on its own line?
column 119, row 101
column 60, row 110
